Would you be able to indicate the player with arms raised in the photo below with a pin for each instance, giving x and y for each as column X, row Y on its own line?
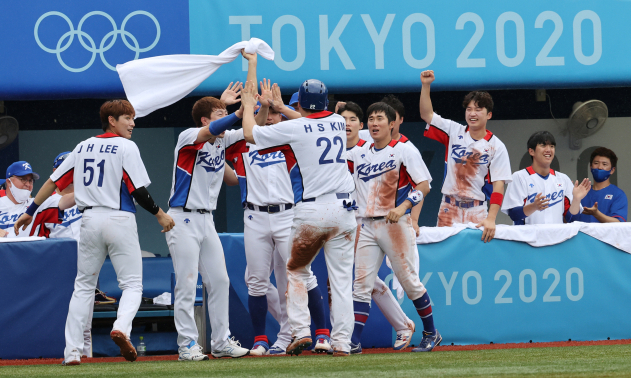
column 314, row 148
column 108, row 174
column 476, row 161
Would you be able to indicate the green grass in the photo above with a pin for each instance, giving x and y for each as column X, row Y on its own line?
column 601, row 361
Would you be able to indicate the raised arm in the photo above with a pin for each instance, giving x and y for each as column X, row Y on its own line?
column 280, row 107
column 25, row 219
column 425, row 103
column 265, row 98
column 248, row 101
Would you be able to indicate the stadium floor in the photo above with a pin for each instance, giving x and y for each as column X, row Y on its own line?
column 565, row 359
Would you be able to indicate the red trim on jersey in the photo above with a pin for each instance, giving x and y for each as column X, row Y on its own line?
column 50, row 215
column 3, row 193
column 552, row 172
column 361, row 143
column 530, row 170
column 440, row 136
column 322, row 114
column 488, row 135
column 372, row 145
column 65, row 180
column 567, row 204
column 235, row 151
column 404, row 178
column 187, row 155
column 351, row 166
column 127, row 180
column 290, row 158
column 108, row 135
column 393, row 143
column 403, row 139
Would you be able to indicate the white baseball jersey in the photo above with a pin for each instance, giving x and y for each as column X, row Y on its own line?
column 469, row 164
column 70, row 225
column 525, row 186
column 48, row 212
column 384, row 178
column 105, row 170
column 197, row 172
column 263, row 179
column 315, row 153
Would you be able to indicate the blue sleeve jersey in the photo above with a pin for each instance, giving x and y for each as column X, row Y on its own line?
column 611, row 201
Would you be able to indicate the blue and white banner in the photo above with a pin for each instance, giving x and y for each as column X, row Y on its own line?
column 69, row 48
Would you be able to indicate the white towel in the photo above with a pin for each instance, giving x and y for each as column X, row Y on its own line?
column 159, row 81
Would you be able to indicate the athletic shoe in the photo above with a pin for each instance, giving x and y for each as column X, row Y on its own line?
column 356, row 348
column 127, row 349
column 260, row 348
column 101, row 298
column 298, row 345
column 192, row 352
column 322, row 344
column 277, row 350
column 429, row 342
column 232, row 349
column 404, row 337
column 74, row 359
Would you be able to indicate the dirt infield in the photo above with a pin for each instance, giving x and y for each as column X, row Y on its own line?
column 445, row 348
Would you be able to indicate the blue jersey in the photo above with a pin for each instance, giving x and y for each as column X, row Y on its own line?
column 611, row 201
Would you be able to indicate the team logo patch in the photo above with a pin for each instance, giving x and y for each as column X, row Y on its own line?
column 559, row 185
column 532, row 185
column 26, row 166
column 486, row 150
column 187, row 221
column 391, row 155
column 362, row 225
column 250, row 217
column 446, row 210
column 459, row 136
column 609, row 196
column 363, row 156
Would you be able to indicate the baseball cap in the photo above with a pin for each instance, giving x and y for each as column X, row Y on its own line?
column 60, row 159
column 290, row 107
column 2, row 181
column 21, row 168
column 294, row 99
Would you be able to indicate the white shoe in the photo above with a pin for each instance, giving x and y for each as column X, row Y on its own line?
column 277, row 350
column 232, row 349
column 404, row 337
column 193, row 352
column 322, row 344
column 74, row 359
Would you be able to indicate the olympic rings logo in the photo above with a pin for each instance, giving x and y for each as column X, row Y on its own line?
column 68, row 38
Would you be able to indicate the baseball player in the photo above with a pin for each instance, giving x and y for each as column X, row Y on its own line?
column 198, row 171
column 605, row 202
column 476, row 161
column 19, row 183
column 381, row 293
column 314, row 149
column 538, row 194
column 108, row 175
column 266, row 195
column 390, row 178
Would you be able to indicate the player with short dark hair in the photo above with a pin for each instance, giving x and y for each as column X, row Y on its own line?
column 108, row 175
column 476, row 161
column 605, row 202
column 540, row 195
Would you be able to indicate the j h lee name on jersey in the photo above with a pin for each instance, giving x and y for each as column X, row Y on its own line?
column 461, row 156
column 366, row 171
column 267, row 159
column 105, row 149
column 556, row 196
column 335, row 126
column 209, row 163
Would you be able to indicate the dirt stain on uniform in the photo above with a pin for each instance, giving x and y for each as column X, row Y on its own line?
column 447, row 215
column 383, row 194
column 400, row 249
column 466, row 173
column 308, row 240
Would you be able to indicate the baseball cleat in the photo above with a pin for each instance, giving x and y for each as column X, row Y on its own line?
column 429, row 342
column 277, row 350
column 192, row 352
column 74, row 359
column 356, row 348
column 404, row 337
column 260, row 348
column 232, row 349
column 322, row 344
column 298, row 345
column 127, row 349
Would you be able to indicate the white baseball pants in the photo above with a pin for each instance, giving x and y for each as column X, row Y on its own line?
column 398, row 242
column 195, row 247
column 322, row 223
column 105, row 231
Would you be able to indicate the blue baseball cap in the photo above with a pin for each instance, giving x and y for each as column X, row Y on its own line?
column 294, row 99
column 258, row 103
column 2, row 181
column 21, row 168
column 60, row 159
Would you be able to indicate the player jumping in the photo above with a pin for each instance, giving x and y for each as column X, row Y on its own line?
column 474, row 158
